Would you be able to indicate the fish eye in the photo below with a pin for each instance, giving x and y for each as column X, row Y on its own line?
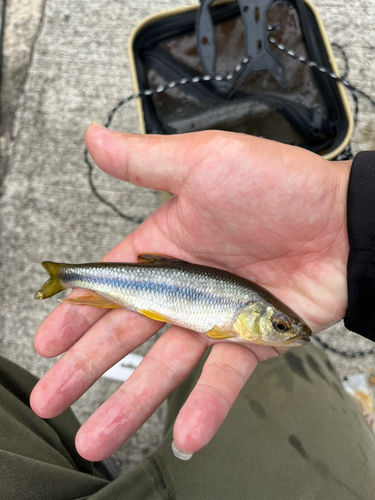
column 281, row 323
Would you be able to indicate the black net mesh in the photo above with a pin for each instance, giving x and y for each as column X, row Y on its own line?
column 260, row 106
column 183, row 112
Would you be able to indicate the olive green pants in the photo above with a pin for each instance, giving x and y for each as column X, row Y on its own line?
column 292, row 433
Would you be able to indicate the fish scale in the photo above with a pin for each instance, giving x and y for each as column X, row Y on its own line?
column 217, row 303
column 201, row 303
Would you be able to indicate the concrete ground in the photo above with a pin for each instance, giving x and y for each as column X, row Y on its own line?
column 65, row 64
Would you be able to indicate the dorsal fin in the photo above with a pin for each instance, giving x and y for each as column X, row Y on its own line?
column 149, row 258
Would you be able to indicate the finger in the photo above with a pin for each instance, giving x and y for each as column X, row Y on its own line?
column 166, row 366
column 64, row 326
column 110, row 339
column 224, row 374
column 151, row 161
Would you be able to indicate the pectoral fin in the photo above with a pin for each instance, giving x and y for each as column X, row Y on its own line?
column 155, row 316
column 218, row 333
column 91, row 298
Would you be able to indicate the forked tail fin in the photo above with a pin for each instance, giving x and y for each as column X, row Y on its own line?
column 53, row 285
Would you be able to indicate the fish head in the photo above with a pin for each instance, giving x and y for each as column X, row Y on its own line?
column 266, row 324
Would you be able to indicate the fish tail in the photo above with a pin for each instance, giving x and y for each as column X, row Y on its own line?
column 53, row 285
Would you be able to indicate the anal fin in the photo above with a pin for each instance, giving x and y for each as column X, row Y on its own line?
column 154, row 315
column 91, row 298
column 218, row 333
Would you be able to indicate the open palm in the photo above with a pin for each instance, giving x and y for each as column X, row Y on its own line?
column 271, row 213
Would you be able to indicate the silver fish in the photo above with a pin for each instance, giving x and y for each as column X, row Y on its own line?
column 210, row 301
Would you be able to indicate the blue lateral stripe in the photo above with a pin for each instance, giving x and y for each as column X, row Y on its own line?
column 131, row 284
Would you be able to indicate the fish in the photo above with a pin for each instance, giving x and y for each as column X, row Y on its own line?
column 210, row 301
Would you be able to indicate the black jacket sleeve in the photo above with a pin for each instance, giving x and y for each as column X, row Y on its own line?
column 360, row 316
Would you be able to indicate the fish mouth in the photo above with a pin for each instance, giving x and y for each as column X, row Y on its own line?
column 297, row 340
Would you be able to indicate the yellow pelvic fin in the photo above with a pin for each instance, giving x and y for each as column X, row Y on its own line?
column 154, row 315
column 53, row 285
column 219, row 333
column 149, row 258
column 91, row 298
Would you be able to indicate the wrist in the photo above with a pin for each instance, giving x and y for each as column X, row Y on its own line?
column 342, row 170
column 340, row 211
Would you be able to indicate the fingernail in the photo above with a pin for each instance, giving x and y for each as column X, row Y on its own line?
column 96, row 124
column 182, row 455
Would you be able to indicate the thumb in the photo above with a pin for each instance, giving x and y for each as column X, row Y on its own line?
column 152, row 161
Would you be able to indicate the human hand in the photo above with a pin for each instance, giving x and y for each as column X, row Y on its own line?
column 272, row 213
